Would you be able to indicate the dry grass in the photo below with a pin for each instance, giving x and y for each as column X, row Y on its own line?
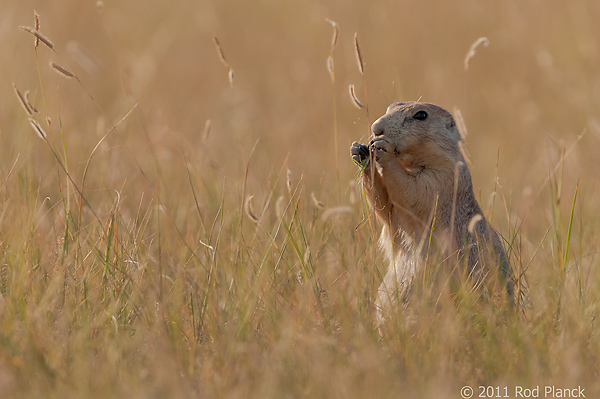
column 62, row 71
column 482, row 41
column 355, row 99
column 134, row 265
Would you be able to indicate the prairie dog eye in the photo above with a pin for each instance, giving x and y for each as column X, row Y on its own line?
column 421, row 115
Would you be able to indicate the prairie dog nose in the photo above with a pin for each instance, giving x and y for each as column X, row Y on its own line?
column 378, row 127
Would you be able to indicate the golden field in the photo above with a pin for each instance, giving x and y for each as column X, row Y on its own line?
column 181, row 235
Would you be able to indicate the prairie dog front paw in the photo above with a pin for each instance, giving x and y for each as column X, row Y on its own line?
column 383, row 148
column 360, row 153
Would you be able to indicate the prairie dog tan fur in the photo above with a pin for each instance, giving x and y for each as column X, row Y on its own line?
column 414, row 173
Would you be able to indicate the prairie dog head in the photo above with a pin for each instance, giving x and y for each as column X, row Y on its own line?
column 425, row 135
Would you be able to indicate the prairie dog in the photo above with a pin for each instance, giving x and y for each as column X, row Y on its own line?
column 415, row 176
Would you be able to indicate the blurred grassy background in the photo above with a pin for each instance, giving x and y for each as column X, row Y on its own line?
column 161, row 285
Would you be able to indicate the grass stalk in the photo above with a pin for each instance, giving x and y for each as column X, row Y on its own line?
column 568, row 244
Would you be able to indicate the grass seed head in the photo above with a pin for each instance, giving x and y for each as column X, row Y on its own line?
column 224, row 60
column 248, row 209
column 482, row 41
column 330, row 67
column 359, row 58
column 220, row 52
column 465, row 153
column 336, row 32
column 38, row 128
column 62, row 71
column 230, row 77
column 288, row 182
column 354, row 99
column 38, row 35
column 36, row 18
column 307, row 255
column 473, row 222
column 316, row 202
column 460, row 124
column 31, row 107
column 207, row 126
column 23, row 101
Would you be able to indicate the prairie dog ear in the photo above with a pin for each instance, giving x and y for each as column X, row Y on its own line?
column 450, row 123
column 453, row 128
